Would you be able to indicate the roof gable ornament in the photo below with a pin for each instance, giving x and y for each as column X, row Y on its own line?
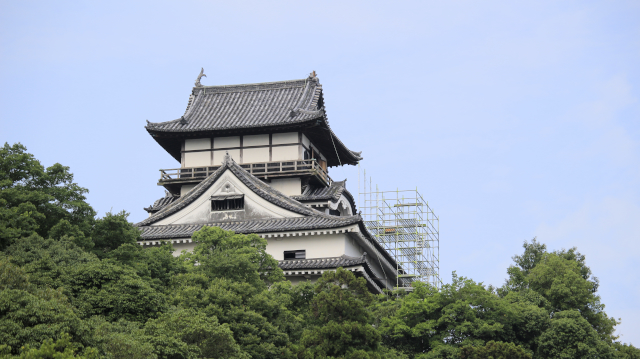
column 198, row 84
column 183, row 121
column 227, row 159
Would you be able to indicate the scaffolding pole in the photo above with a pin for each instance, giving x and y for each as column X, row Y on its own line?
column 404, row 224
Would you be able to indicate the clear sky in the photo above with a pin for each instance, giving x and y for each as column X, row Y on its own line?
column 514, row 119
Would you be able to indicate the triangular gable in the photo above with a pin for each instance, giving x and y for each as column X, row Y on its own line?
column 261, row 200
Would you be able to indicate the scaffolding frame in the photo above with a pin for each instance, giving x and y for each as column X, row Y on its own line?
column 404, row 224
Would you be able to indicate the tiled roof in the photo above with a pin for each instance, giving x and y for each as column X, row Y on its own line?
column 255, row 108
column 161, row 203
column 174, row 231
column 313, row 193
column 320, row 263
column 343, row 261
column 331, row 193
column 255, row 184
column 246, row 106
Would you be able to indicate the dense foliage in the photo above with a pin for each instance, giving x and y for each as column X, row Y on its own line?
column 76, row 286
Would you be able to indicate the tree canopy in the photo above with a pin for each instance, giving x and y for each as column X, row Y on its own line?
column 76, row 286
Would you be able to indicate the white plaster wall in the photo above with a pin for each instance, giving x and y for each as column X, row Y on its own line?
column 255, row 207
column 255, row 140
column 283, row 153
column 352, row 248
column 288, row 186
column 218, row 156
column 282, row 138
column 196, row 159
column 305, row 141
column 251, row 155
column 197, row 144
column 226, row 142
column 320, row 246
column 186, row 188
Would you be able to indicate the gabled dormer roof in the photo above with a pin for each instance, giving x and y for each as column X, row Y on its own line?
column 254, row 184
column 296, row 105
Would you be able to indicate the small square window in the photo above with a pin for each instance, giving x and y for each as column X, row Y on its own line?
column 299, row 254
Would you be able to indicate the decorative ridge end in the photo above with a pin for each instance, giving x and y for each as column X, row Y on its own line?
column 313, row 76
column 183, row 121
column 227, row 159
column 150, row 124
column 198, row 84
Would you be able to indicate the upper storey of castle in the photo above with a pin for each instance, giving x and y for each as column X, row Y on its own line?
column 254, row 123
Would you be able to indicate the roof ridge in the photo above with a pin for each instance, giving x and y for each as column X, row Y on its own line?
column 296, row 81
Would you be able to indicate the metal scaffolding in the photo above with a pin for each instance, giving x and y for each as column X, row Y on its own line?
column 404, row 224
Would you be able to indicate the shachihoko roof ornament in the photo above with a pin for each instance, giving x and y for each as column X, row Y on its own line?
column 198, row 84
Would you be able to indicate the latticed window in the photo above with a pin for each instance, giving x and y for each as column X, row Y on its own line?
column 299, row 254
column 227, row 203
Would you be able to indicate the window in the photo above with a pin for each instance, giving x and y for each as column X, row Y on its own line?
column 299, row 254
column 227, row 203
column 334, row 212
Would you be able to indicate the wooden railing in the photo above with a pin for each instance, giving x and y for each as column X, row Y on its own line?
column 260, row 169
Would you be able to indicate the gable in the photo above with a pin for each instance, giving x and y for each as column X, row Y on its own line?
column 227, row 184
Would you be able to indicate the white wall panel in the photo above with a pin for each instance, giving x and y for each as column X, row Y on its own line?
column 283, row 138
column 251, row 155
column 288, row 186
column 226, row 142
column 320, row 246
column 196, row 159
column 284, row 153
column 255, row 140
column 197, row 144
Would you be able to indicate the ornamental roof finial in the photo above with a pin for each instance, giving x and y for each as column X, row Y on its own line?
column 227, row 159
column 198, row 84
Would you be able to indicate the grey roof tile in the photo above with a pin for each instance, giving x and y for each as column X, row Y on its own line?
column 215, row 109
column 175, row 231
column 321, row 263
column 161, row 203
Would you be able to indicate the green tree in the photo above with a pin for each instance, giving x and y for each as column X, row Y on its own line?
column 112, row 231
column 121, row 339
column 227, row 277
column 461, row 313
column 46, row 260
column 191, row 333
column 494, row 350
column 156, row 265
column 63, row 348
column 564, row 282
column 237, row 257
column 115, row 292
column 34, row 199
column 342, row 319
column 572, row 336
column 31, row 317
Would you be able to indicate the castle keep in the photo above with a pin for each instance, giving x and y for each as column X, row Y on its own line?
column 255, row 158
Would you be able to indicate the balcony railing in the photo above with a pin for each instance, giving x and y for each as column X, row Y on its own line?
column 260, row 169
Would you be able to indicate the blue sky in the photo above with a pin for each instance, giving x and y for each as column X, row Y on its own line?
column 514, row 119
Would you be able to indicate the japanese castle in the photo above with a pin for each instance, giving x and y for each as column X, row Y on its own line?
column 254, row 158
